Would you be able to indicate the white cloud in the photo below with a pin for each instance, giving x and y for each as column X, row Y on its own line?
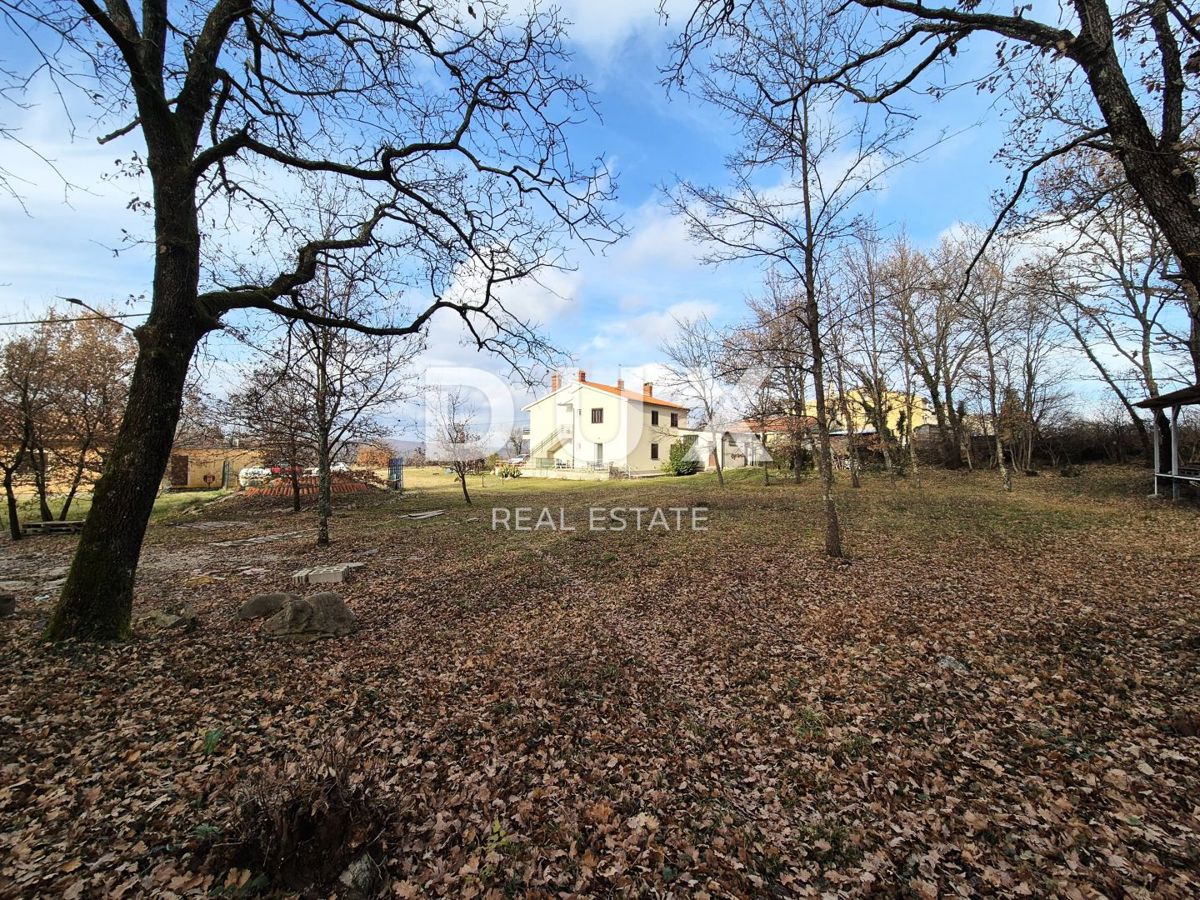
column 59, row 237
column 658, row 239
column 601, row 29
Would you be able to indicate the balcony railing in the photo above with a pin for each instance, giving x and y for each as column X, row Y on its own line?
column 549, row 462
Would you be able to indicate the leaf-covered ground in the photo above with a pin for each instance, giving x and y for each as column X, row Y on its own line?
column 995, row 695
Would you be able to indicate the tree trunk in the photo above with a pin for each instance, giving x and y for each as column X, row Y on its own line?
column 40, row 483
column 462, row 479
column 881, row 429
column 833, row 527
column 324, row 486
column 324, row 490
column 97, row 600
column 912, row 445
column 295, row 480
column 939, row 414
column 852, row 455
column 1155, row 168
column 1163, row 433
column 994, row 405
column 76, row 479
column 14, row 518
column 851, row 435
column 1005, row 472
column 719, row 445
column 955, row 457
column 1192, row 295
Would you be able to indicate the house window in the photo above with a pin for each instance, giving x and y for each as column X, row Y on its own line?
column 597, row 416
column 654, row 451
column 674, row 420
column 654, row 417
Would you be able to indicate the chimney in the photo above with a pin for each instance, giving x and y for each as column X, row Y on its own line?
column 647, row 389
column 620, row 384
column 555, row 381
column 582, row 375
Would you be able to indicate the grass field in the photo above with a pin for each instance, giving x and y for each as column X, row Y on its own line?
column 993, row 695
column 165, row 506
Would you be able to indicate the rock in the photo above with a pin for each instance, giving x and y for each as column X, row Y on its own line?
column 949, row 662
column 183, row 617
column 264, row 605
column 8, row 605
column 334, row 574
column 361, row 878
column 311, row 618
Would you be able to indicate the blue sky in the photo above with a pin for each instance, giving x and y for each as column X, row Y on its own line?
column 614, row 309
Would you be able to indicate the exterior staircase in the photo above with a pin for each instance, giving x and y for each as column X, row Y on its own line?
column 553, row 439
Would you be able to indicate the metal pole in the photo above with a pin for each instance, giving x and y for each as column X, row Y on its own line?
column 1157, row 451
column 1175, row 452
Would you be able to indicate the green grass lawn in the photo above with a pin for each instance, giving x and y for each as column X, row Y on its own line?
column 166, row 505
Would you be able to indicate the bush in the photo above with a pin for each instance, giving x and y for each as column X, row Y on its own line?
column 680, row 460
column 508, row 470
column 301, row 825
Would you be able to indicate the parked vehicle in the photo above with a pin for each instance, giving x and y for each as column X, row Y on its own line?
column 253, row 476
column 337, row 468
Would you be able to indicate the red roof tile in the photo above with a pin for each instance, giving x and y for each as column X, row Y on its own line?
column 634, row 395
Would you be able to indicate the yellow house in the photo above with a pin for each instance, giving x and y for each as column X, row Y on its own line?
column 584, row 429
column 862, row 415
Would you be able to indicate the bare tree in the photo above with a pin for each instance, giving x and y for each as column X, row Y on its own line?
column 695, row 370
column 988, row 302
column 351, row 378
column 840, row 403
column 1106, row 277
column 781, row 345
column 516, row 440
column 413, row 112
column 456, row 440
column 908, row 380
column 1031, row 375
column 1113, row 82
column 274, row 412
column 870, row 353
column 828, row 160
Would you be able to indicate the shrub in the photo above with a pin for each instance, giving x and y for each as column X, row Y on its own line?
column 508, row 470
column 303, row 823
column 681, row 461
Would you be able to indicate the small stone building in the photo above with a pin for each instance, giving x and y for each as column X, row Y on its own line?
column 200, row 468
